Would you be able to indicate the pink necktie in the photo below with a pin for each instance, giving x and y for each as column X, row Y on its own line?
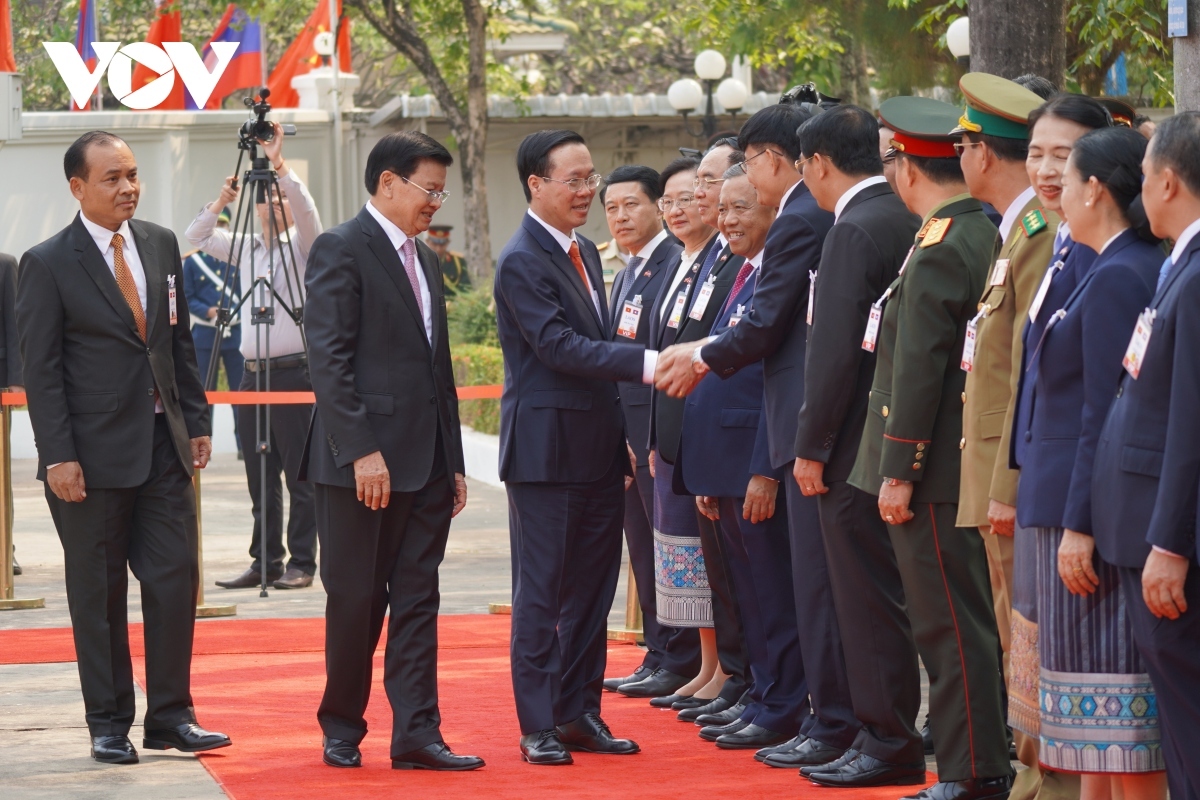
column 408, row 254
column 738, row 282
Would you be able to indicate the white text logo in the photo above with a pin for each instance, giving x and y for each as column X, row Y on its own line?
column 179, row 57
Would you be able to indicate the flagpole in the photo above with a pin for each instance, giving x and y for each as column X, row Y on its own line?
column 262, row 50
column 96, row 27
column 339, row 204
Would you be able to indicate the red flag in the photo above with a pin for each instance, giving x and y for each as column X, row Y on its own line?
column 8, row 62
column 300, row 57
column 166, row 27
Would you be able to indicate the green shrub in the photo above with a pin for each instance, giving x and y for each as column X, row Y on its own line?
column 478, row 365
column 471, row 317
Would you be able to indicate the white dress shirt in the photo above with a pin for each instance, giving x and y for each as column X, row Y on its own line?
column 103, row 238
column 1184, row 240
column 783, row 200
column 852, row 192
column 218, row 242
column 1013, row 211
column 650, row 357
column 398, row 237
column 681, row 270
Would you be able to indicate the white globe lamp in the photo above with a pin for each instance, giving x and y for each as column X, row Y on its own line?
column 710, row 65
column 732, row 94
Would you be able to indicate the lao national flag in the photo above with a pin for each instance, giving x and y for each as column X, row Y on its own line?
column 85, row 34
column 8, row 61
column 245, row 71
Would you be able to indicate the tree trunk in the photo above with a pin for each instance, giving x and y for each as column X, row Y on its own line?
column 1010, row 38
column 1187, row 63
column 473, row 148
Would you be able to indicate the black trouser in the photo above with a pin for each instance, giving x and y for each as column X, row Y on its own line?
column 150, row 529
column 676, row 650
column 566, row 557
column 375, row 563
column 949, row 597
column 289, row 429
column 833, row 721
column 880, row 653
column 230, row 355
column 1171, row 652
column 727, row 624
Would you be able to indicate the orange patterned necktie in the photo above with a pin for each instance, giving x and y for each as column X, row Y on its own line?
column 573, row 254
column 126, row 285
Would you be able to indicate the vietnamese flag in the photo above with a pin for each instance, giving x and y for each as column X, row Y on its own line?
column 166, row 27
column 245, row 69
column 300, row 57
column 8, row 61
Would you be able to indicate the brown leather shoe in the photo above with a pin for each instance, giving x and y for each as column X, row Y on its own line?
column 294, row 579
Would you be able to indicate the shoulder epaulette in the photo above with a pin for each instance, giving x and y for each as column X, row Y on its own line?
column 925, row 228
column 935, row 231
column 189, row 254
column 457, row 254
column 601, row 247
column 1034, row 222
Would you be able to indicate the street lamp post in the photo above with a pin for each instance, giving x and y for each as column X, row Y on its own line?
column 686, row 94
column 958, row 41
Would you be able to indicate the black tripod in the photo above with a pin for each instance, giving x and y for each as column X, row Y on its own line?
column 262, row 294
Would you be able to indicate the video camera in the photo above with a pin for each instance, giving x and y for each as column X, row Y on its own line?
column 806, row 96
column 257, row 128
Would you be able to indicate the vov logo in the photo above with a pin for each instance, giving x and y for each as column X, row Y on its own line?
column 171, row 58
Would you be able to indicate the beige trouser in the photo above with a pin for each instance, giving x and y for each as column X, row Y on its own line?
column 1031, row 783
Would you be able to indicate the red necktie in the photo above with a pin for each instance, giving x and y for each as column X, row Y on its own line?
column 738, row 282
column 578, row 262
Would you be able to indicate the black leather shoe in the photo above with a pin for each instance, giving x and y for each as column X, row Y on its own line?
column 611, row 684
column 113, row 750
column 846, row 758
column 974, row 789
column 712, row 707
column 438, row 757
column 713, row 732
column 865, row 770
column 249, row 578
column 723, row 717
column 590, row 734
column 686, row 703
column 16, row 567
column 751, row 737
column 788, row 746
column 186, row 738
column 811, row 753
column 660, row 684
column 294, row 579
column 340, row 753
column 670, row 700
column 927, row 738
column 544, row 749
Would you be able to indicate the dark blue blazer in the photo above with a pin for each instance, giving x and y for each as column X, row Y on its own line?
column 202, row 293
column 1144, row 489
column 1076, row 260
column 560, row 413
column 724, row 429
column 635, row 395
column 1074, row 372
column 776, row 333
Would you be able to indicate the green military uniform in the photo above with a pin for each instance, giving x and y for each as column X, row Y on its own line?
column 999, row 107
column 455, row 276
column 912, row 433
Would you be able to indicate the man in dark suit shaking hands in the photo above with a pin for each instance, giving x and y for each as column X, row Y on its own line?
column 121, row 420
column 385, row 452
column 562, row 452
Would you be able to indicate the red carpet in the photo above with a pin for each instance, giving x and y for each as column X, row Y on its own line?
column 260, row 681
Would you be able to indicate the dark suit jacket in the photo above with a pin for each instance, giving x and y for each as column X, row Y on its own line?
column 861, row 257
column 380, row 383
column 776, row 332
column 724, row 437
column 666, row 413
column 635, row 395
column 10, row 347
column 560, row 413
column 1076, row 262
column 914, row 412
column 91, row 379
column 1144, row 490
column 1074, row 371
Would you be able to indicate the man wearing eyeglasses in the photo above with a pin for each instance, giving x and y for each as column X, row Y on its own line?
column 289, row 223
column 563, row 452
column 385, row 453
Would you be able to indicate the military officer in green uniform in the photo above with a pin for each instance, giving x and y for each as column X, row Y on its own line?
column 454, row 265
column 910, row 458
column 994, row 144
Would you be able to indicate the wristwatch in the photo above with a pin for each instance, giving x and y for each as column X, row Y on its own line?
column 895, row 482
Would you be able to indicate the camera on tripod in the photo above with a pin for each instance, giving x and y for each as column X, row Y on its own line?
column 806, row 94
column 257, row 128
